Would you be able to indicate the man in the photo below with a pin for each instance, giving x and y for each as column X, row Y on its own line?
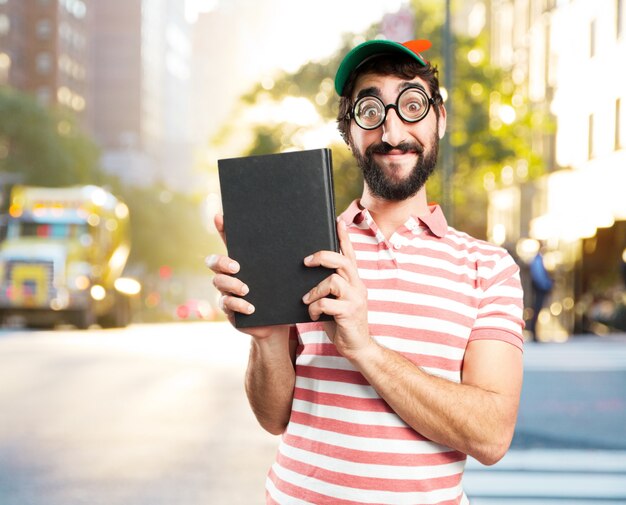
column 422, row 364
column 542, row 285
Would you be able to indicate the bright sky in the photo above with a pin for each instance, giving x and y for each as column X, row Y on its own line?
column 288, row 33
column 254, row 38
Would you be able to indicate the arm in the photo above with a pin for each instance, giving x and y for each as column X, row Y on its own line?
column 270, row 376
column 270, row 380
column 476, row 417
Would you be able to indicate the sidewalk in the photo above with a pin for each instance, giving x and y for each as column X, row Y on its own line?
column 579, row 352
column 570, row 440
column 536, row 477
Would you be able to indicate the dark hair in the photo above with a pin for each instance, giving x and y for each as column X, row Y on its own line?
column 386, row 64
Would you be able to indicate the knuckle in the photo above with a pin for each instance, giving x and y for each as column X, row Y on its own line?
column 335, row 278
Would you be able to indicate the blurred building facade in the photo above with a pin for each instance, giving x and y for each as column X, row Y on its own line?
column 565, row 56
column 45, row 50
column 124, row 68
column 141, row 80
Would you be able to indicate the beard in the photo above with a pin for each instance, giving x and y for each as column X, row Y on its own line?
column 383, row 186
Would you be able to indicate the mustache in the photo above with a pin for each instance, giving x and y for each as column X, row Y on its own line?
column 404, row 147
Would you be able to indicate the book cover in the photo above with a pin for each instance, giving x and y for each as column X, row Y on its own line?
column 278, row 209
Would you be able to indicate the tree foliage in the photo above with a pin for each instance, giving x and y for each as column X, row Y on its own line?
column 487, row 149
column 167, row 228
column 45, row 147
column 484, row 147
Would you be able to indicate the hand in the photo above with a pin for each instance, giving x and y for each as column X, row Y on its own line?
column 350, row 330
column 232, row 289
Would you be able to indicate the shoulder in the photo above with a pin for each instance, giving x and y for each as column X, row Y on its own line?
column 477, row 250
column 492, row 263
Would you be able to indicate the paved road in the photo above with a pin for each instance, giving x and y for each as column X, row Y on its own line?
column 157, row 415
column 570, row 442
column 152, row 415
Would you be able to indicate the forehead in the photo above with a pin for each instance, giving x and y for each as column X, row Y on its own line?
column 384, row 85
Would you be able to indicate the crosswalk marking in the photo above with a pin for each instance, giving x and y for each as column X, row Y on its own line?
column 554, row 477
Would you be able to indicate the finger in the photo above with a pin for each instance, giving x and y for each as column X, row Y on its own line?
column 221, row 264
column 218, row 220
column 227, row 284
column 327, row 259
column 329, row 306
column 345, row 263
column 333, row 285
column 235, row 304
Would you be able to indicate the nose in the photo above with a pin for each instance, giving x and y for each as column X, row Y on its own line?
column 393, row 128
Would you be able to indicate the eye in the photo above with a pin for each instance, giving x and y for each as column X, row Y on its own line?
column 413, row 104
column 369, row 110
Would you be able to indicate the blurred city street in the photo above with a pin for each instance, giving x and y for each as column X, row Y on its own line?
column 156, row 414
column 114, row 115
column 570, row 442
column 152, row 414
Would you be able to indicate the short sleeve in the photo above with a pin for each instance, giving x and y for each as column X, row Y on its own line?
column 500, row 310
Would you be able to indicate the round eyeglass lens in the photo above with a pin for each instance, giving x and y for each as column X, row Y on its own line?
column 413, row 104
column 369, row 112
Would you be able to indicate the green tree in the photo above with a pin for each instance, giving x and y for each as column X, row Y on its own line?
column 313, row 81
column 482, row 143
column 167, row 228
column 485, row 142
column 44, row 146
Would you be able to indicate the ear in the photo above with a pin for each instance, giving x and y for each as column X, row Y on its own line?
column 441, row 124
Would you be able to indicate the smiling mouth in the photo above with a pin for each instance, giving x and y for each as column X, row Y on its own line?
column 404, row 148
column 397, row 153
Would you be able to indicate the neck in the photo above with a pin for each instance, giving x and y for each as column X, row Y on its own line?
column 389, row 215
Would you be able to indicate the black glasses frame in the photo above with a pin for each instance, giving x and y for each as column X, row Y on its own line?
column 430, row 101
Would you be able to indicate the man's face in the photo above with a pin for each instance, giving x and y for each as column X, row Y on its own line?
column 397, row 157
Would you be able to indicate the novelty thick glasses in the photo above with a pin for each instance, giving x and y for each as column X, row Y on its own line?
column 412, row 105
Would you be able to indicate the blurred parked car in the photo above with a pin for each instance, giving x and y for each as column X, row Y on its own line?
column 195, row 310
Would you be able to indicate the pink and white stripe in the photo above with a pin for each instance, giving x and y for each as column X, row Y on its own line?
column 431, row 290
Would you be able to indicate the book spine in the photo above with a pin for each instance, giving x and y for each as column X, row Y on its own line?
column 330, row 194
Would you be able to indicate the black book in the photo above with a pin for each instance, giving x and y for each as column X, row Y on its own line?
column 278, row 209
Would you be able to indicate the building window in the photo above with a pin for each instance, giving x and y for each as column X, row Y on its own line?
column 5, row 24
column 5, row 67
column 592, row 39
column 43, row 63
column 590, row 147
column 44, row 29
column 44, row 95
column 77, row 8
column 619, row 142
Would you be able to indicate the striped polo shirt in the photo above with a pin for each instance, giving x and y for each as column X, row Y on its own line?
column 431, row 290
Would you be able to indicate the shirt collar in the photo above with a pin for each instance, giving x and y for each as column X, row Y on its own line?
column 353, row 214
column 434, row 220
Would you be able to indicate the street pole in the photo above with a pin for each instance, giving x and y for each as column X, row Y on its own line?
column 448, row 158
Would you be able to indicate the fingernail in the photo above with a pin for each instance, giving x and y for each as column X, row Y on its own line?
column 245, row 290
column 250, row 309
column 305, row 298
column 210, row 260
column 233, row 267
column 308, row 259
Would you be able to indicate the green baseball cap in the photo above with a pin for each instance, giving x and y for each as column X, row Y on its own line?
column 371, row 48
